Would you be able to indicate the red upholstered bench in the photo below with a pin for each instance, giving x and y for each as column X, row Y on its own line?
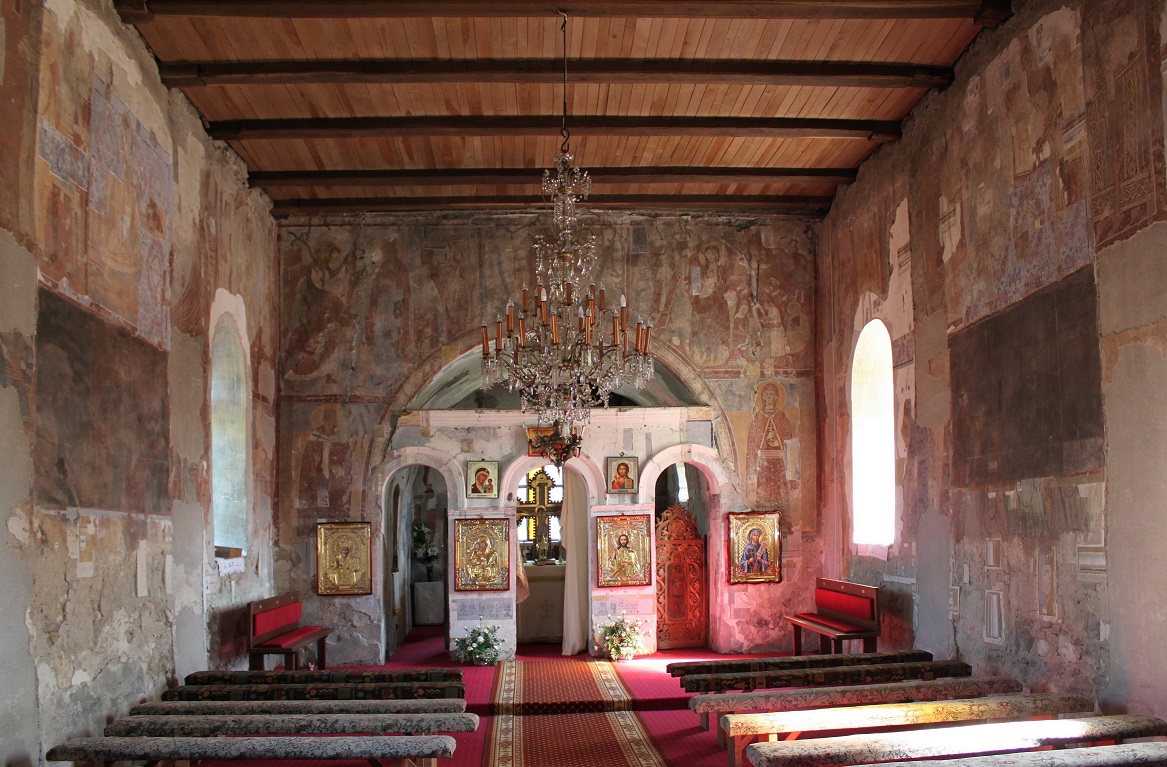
column 843, row 610
column 273, row 628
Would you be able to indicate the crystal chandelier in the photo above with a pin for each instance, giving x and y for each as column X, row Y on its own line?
column 565, row 348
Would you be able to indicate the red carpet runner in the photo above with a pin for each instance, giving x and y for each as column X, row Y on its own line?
column 576, row 734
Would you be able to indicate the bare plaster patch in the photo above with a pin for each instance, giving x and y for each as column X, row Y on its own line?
column 1132, row 282
column 1154, row 335
column 18, row 290
column 933, row 398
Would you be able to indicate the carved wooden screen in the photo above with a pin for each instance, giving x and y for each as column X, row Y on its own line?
column 681, row 591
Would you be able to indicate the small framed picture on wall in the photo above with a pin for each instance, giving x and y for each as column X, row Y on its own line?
column 755, row 547
column 482, row 479
column 344, row 564
column 482, row 554
column 623, row 474
column 624, row 551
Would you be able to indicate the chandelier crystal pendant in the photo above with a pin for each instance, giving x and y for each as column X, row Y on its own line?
column 565, row 348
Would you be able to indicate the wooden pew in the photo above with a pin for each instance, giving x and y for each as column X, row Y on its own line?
column 268, row 707
column 743, row 729
column 850, row 695
column 824, row 677
column 962, row 740
column 398, row 750
column 336, row 676
column 842, row 611
column 730, row 665
column 273, row 628
column 343, row 691
column 208, row 725
column 1125, row 755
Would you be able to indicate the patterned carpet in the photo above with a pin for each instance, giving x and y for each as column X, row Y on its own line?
column 571, row 712
column 559, row 686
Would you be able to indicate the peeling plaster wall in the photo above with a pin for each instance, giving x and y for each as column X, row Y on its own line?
column 375, row 309
column 1043, row 159
column 114, row 203
column 19, row 736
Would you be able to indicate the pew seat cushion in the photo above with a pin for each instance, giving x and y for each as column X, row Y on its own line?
column 1125, row 755
column 763, row 701
column 268, row 707
column 967, row 740
column 294, row 638
column 289, row 724
column 230, row 748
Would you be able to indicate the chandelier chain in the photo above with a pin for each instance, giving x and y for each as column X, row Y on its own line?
column 564, row 348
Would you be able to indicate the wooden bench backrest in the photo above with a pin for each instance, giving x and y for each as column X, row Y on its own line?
column 846, row 601
column 271, row 617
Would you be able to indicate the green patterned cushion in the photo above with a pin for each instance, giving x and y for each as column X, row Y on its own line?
column 822, row 677
column 730, row 665
column 372, row 691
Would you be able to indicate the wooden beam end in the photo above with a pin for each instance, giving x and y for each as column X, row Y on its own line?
column 134, row 11
column 993, row 13
column 180, row 75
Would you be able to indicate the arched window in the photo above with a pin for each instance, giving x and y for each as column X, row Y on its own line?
column 228, row 439
column 873, row 438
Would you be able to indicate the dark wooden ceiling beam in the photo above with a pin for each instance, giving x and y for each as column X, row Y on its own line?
column 742, row 72
column 383, row 127
column 986, row 12
column 787, row 204
column 274, row 179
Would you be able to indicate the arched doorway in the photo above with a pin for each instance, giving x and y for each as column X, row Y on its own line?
column 553, row 605
column 416, row 508
column 417, row 484
column 682, row 563
column 542, row 556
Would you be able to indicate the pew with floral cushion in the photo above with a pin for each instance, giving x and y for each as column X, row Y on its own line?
column 743, row 729
column 956, row 741
column 335, row 676
column 1121, row 755
column 380, row 750
column 849, row 695
column 209, row 725
column 823, row 677
column 789, row 662
column 323, row 691
column 267, row 707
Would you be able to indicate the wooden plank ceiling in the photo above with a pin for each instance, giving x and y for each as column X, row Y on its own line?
column 373, row 105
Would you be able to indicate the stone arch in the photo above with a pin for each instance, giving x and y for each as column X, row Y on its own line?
column 706, row 459
column 587, row 468
column 404, row 457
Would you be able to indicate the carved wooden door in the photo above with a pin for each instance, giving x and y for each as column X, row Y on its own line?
column 681, row 591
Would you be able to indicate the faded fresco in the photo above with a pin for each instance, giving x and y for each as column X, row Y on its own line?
column 1022, row 124
column 1047, row 150
column 104, row 187
column 372, row 311
column 1124, row 91
column 20, row 23
column 101, row 415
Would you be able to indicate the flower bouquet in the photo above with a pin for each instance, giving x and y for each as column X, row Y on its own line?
column 623, row 638
column 480, row 646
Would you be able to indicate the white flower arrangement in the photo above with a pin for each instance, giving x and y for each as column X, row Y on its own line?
column 481, row 646
column 623, row 638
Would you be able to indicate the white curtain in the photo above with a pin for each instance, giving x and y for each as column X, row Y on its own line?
column 574, row 537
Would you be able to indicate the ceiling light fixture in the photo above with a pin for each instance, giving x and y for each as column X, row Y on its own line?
column 564, row 348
